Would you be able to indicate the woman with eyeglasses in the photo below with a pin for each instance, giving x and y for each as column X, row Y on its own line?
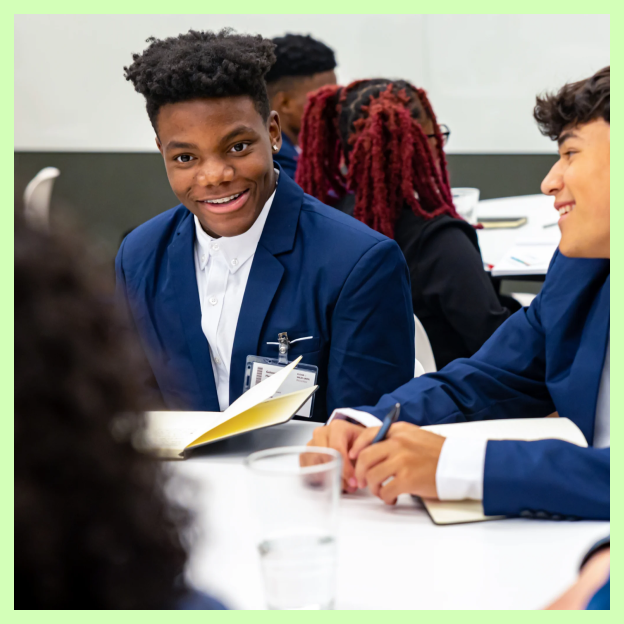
column 373, row 149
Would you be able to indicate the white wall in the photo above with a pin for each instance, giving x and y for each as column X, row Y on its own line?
column 481, row 71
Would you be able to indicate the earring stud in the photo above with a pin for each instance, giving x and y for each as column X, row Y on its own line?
column 275, row 148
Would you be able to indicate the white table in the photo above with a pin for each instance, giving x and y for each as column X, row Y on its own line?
column 389, row 557
column 539, row 210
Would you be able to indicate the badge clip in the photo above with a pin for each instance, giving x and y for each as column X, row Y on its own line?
column 284, row 345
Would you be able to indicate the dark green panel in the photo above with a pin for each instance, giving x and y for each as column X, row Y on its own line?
column 500, row 175
column 110, row 193
column 107, row 194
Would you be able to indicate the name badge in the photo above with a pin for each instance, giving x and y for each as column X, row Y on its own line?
column 258, row 368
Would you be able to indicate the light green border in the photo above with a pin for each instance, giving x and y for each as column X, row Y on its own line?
column 276, row 7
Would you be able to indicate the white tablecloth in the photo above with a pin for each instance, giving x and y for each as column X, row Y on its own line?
column 539, row 209
column 389, row 557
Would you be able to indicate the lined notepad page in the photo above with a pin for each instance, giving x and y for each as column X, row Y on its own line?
column 526, row 258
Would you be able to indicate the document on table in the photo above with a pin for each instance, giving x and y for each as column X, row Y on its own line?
column 169, row 435
column 528, row 257
column 456, row 512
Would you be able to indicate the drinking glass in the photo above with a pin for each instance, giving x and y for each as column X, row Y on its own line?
column 466, row 200
column 295, row 492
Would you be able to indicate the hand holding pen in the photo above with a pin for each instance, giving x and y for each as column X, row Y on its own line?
column 391, row 417
column 395, row 459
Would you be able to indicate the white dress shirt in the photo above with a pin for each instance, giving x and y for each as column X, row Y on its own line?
column 222, row 267
column 461, row 464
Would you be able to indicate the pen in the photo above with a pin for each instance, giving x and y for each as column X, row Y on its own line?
column 520, row 261
column 551, row 224
column 391, row 417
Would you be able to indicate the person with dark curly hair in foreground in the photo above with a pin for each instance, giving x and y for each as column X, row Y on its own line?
column 246, row 255
column 302, row 65
column 93, row 529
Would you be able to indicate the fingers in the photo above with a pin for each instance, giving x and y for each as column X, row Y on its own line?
column 338, row 435
column 389, row 492
column 362, row 441
column 379, row 474
column 369, row 458
column 340, row 438
column 319, row 438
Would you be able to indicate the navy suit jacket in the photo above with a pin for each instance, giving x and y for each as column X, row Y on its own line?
column 543, row 358
column 316, row 272
column 287, row 157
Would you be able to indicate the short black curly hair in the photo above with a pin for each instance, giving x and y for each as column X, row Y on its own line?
column 202, row 64
column 300, row 55
column 574, row 104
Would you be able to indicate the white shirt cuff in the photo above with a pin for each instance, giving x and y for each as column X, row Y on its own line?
column 364, row 418
column 461, row 465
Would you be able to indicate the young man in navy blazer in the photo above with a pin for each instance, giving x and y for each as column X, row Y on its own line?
column 552, row 356
column 246, row 255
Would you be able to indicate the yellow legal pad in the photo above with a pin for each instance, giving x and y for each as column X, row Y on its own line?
column 170, row 435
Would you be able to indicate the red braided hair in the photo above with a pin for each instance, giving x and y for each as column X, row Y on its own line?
column 319, row 136
column 370, row 128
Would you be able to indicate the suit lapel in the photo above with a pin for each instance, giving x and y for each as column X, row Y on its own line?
column 265, row 276
column 182, row 271
column 589, row 361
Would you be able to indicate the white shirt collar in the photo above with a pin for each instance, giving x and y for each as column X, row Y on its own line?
column 235, row 249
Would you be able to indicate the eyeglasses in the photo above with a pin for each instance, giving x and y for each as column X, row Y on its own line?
column 445, row 132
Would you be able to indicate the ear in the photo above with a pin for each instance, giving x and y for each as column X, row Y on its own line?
column 287, row 102
column 278, row 100
column 274, row 128
column 159, row 145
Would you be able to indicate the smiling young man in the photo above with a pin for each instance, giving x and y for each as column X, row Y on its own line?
column 246, row 255
column 552, row 356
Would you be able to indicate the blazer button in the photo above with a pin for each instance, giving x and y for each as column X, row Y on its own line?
column 556, row 517
column 526, row 513
column 542, row 515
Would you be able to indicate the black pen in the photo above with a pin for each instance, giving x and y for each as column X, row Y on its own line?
column 389, row 420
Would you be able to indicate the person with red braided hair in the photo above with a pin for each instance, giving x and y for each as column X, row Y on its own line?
column 374, row 150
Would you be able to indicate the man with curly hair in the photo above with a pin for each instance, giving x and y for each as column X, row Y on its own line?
column 302, row 65
column 552, row 356
column 246, row 255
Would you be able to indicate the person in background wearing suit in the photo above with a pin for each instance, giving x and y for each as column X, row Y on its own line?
column 396, row 181
column 246, row 255
column 94, row 528
column 302, row 65
column 552, row 356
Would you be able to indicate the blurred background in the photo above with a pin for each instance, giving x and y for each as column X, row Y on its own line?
column 75, row 111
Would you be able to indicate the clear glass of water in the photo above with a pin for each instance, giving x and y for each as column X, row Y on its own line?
column 295, row 493
column 466, row 200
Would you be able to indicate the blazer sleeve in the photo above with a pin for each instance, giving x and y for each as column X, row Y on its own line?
column 546, row 478
column 372, row 330
column 454, row 284
column 504, row 379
